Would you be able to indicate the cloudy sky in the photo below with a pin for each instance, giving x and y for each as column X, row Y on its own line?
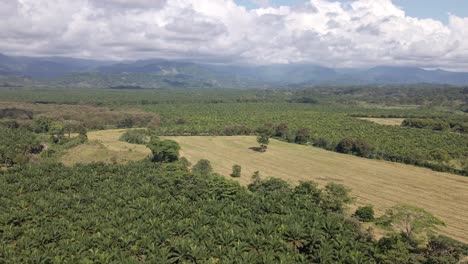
column 345, row 33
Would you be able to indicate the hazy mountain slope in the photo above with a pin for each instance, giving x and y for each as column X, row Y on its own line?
column 166, row 73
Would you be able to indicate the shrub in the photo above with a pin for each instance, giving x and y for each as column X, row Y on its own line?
column 236, row 130
column 353, row 146
column 163, row 150
column 236, row 171
column 135, row 136
column 322, row 143
column 125, row 122
column 203, row 167
column 302, row 136
column 335, row 197
column 269, row 186
column 365, row 213
column 281, row 130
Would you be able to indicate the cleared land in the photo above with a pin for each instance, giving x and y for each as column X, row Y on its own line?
column 384, row 121
column 104, row 146
column 379, row 183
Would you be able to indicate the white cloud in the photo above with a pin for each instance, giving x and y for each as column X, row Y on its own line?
column 355, row 33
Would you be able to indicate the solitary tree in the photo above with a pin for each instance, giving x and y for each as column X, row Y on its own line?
column 263, row 140
column 411, row 220
column 365, row 213
column 163, row 150
column 236, row 171
column 203, row 167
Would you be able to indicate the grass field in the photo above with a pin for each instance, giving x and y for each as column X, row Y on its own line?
column 384, row 121
column 104, row 146
column 379, row 183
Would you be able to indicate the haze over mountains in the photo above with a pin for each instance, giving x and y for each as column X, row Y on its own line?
column 156, row 73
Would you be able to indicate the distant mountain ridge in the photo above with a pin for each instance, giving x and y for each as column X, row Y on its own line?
column 170, row 73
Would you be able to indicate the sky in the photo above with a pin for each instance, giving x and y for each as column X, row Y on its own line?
column 345, row 33
column 435, row 9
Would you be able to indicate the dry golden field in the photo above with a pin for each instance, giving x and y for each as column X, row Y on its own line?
column 104, row 146
column 375, row 182
column 384, row 121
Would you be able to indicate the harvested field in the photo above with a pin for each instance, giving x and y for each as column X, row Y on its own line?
column 380, row 183
column 384, row 121
column 105, row 146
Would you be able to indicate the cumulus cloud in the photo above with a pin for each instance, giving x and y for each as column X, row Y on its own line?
column 357, row 33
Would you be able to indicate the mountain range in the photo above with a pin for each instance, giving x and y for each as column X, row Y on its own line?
column 155, row 73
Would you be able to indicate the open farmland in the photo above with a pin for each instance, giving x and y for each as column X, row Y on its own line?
column 384, row 121
column 105, row 146
column 379, row 183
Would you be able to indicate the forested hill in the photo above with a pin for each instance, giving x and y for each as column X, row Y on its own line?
column 156, row 73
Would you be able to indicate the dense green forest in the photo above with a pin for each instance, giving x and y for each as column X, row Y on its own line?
column 327, row 113
column 161, row 213
column 158, row 211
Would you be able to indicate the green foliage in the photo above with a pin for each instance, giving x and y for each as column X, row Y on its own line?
column 163, row 150
column 236, row 171
column 335, row 197
column 184, row 163
column 310, row 191
column 302, row 136
column 394, row 249
column 442, row 249
column 239, row 112
column 41, row 124
column 56, row 131
column 126, row 122
column 160, row 213
column 452, row 124
column 263, row 140
column 281, row 130
column 17, row 146
column 357, row 147
column 135, row 136
column 323, row 143
column 202, row 167
column 365, row 213
column 270, row 185
column 410, row 220
column 82, row 131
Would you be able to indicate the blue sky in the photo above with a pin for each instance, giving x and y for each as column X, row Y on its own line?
column 435, row 9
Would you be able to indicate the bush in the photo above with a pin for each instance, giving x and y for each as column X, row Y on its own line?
column 281, row 130
column 163, row 150
column 269, row 186
column 365, row 213
column 135, row 136
column 236, row 130
column 323, row 143
column 236, row 171
column 335, row 197
column 203, row 167
column 353, row 146
column 126, row 122
column 302, row 136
